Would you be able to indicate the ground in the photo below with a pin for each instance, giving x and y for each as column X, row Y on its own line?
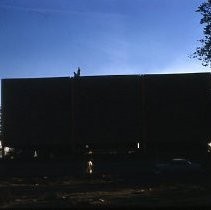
column 100, row 192
column 112, row 184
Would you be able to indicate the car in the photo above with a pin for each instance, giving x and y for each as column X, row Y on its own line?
column 177, row 166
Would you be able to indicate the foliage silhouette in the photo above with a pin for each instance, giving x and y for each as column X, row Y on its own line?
column 203, row 53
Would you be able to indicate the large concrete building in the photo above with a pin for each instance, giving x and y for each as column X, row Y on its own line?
column 164, row 113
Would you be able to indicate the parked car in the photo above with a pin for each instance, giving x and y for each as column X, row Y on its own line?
column 178, row 167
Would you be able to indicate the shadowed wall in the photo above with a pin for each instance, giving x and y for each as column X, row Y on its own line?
column 36, row 112
column 165, row 113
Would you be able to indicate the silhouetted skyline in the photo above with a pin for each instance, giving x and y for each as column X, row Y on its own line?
column 42, row 38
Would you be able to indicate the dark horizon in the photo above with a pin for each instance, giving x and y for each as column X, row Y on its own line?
column 109, row 110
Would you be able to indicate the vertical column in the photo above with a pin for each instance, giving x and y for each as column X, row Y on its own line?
column 74, row 110
column 143, row 107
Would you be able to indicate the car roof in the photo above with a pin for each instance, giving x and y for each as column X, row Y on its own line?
column 179, row 159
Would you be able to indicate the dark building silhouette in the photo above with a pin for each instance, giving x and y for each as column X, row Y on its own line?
column 177, row 113
column 36, row 113
column 166, row 114
column 107, row 110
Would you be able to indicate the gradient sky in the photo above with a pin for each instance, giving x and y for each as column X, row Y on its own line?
column 53, row 37
column 44, row 38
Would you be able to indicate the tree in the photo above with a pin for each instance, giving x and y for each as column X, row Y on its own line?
column 203, row 52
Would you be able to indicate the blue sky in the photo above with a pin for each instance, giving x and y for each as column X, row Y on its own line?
column 42, row 38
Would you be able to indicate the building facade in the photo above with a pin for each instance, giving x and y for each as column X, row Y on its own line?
column 162, row 113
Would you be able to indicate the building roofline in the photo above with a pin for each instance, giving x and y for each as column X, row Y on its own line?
column 110, row 76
